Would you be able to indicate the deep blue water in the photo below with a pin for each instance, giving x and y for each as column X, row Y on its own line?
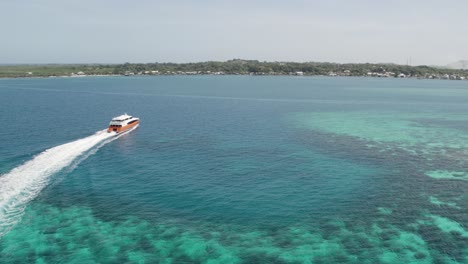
column 237, row 169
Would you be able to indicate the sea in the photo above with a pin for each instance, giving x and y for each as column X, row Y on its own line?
column 234, row 169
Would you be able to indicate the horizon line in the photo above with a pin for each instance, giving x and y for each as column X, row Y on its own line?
column 234, row 59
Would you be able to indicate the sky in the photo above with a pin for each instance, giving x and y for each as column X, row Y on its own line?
column 419, row 32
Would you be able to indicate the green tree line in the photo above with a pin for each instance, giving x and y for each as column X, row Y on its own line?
column 236, row 66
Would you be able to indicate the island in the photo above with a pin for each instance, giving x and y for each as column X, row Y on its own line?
column 234, row 67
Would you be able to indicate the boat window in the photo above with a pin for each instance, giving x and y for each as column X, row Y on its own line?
column 133, row 121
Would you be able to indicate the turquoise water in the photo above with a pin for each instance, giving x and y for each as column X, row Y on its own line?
column 234, row 169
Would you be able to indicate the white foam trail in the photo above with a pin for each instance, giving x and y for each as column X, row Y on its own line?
column 24, row 183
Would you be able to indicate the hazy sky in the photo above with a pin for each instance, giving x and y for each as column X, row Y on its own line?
column 117, row 31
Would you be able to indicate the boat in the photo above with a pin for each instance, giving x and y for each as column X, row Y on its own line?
column 123, row 123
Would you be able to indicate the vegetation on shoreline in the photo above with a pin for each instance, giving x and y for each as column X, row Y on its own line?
column 233, row 67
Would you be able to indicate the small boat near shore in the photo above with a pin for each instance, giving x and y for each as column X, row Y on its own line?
column 123, row 123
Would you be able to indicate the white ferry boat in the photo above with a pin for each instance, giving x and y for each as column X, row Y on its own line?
column 123, row 123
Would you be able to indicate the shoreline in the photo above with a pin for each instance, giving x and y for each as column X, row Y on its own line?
column 253, row 75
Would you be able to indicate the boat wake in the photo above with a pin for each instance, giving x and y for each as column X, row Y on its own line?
column 25, row 182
